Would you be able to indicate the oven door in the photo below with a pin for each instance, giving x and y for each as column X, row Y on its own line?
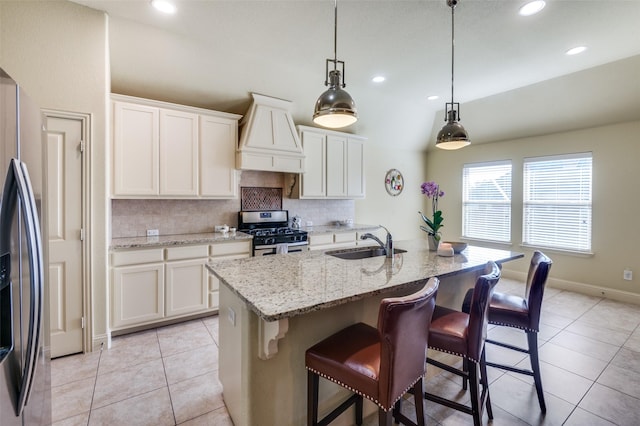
column 270, row 249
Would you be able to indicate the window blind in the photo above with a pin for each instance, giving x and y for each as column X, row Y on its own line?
column 486, row 201
column 557, row 202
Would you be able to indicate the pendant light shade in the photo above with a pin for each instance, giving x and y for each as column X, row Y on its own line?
column 335, row 108
column 453, row 135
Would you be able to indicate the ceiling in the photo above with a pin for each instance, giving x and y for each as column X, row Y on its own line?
column 512, row 77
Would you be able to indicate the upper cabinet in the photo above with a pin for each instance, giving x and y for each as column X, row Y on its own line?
column 136, row 148
column 334, row 164
column 163, row 150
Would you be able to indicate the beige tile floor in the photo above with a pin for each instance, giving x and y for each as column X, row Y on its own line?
column 589, row 348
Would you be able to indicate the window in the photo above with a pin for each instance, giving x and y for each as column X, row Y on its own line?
column 486, row 201
column 557, row 202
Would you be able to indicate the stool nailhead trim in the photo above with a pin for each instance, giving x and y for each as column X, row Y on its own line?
column 360, row 393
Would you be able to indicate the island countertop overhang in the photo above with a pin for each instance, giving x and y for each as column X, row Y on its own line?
column 286, row 285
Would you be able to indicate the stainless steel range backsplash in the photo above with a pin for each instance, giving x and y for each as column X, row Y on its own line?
column 132, row 218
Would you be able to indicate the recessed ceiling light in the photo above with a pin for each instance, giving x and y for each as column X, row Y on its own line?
column 433, row 97
column 378, row 79
column 576, row 50
column 532, row 7
column 164, row 6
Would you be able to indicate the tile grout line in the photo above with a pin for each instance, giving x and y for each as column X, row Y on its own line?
column 95, row 384
column 164, row 369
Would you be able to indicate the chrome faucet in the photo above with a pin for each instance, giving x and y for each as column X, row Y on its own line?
column 388, row 247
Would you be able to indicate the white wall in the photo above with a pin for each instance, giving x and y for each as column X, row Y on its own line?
column 397, row 213
column 616, row 200
column 58, row 52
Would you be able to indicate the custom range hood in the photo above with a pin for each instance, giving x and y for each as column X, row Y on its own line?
column 268, row 138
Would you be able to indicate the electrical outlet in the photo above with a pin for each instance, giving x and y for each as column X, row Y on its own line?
column 153, row 233
column 628, row 274
column 309, row 223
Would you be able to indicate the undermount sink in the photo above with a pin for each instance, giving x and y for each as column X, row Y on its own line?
column 361, row 252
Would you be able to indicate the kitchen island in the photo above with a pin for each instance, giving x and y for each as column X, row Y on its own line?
column 272, row 308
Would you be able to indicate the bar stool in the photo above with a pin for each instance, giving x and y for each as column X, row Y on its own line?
column 463, row 334
column 522, row 313
column 380, row 364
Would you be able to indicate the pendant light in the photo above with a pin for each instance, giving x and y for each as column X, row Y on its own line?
column 452, row 135
column 335, row 108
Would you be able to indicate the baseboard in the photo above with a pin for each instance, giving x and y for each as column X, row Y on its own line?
column 588, row 289
column 99, row 342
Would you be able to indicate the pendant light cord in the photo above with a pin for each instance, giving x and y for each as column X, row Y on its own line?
column 335, row 35
column 453, row 6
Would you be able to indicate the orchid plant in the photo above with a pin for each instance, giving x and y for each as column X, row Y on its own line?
column 433, row 225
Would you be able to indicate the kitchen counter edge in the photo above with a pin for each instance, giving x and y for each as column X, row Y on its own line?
column 176, row 240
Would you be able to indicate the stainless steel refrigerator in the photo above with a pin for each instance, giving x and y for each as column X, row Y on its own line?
column 25, row 376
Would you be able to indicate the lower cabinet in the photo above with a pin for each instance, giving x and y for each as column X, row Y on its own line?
column 137, row 294
column 186, row 280
column 344, row 239
column 153, row 285
column 332, row 240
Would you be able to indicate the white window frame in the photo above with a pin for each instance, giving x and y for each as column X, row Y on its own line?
column 486, row 220
column 557, row 199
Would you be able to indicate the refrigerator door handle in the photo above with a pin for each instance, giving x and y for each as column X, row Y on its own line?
column 18, row 189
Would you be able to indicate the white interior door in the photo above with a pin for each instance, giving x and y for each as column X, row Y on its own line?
column 65, row 202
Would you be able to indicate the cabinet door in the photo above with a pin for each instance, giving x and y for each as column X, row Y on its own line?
column 313, row 180
column 336, row 166
column 135, row 149
column 218, row 138
column 178, row 153
column 186, row 287
column 355, row 168
column 137, row 294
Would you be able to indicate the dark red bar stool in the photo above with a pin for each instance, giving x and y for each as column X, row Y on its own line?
column 380, row 364
column 463, row 334
column 523, row 313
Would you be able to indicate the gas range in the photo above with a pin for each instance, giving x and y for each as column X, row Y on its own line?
column 276, row 236
column 271, row 233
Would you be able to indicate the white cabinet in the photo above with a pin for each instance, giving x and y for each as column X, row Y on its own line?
column 355, row 168
column 332, row 240
column 149, row 286
column 334, row 164
column 137, row 288
column 135, row 149
column 314, row 180
column 186, row 281
column 218, row 177
column 178, row 153
column 163, row 150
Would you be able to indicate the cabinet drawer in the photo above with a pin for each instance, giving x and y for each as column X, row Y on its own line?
column 188, row 252
column 132, row 257
column 345, row 237
column 234, row 248
column 321, row 239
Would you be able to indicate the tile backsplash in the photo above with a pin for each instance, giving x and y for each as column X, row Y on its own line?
column 132, row 218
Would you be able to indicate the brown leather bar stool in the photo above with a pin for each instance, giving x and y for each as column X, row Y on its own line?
column 380, row 364
column 463, row 334
column 522, row 313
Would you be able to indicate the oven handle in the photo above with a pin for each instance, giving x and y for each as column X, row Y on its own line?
column 269, row 250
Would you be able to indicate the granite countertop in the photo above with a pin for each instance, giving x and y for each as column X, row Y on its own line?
column 326, row 229
column 286, row 285
column 176, row 240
